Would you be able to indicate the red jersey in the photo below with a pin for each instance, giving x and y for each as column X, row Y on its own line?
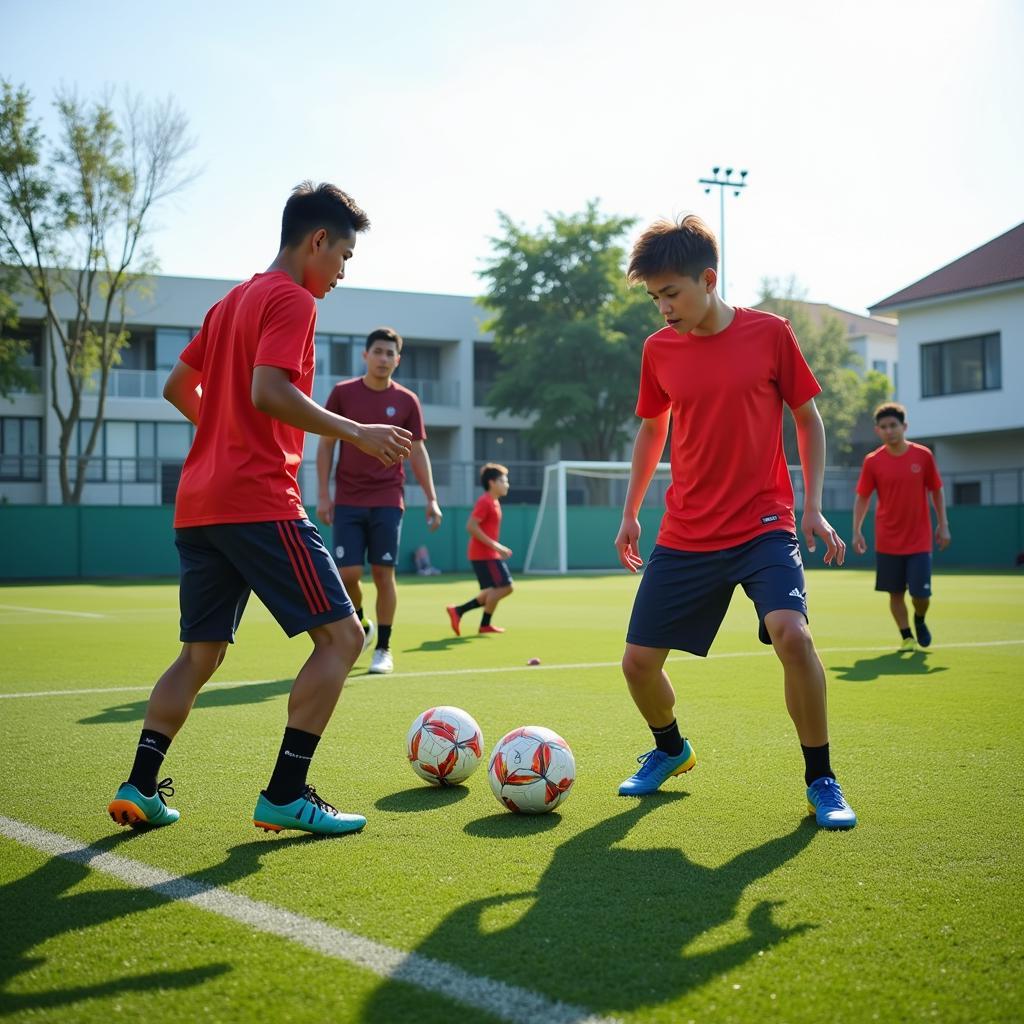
column 903, row 523
column 730, row 481
column 487, row 512
column 243, row 464
column 360, row 479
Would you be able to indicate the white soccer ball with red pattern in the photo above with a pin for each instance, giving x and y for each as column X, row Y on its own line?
column 444, row 745
column 531, row 770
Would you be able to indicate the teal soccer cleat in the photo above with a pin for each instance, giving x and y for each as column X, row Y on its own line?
column 655, row 768
column 826, row 802
column 130, row 807
column 309, row 813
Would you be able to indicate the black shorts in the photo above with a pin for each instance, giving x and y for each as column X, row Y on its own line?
column 284, row 563
column 684, row 595
column 896, row 573
column 363, row 534
column 491, row 572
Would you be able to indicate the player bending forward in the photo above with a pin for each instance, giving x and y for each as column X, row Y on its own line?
column 245, row 382
column 721, row 375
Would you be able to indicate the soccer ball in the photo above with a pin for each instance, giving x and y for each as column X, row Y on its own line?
column 444, row 745
column 531, row 770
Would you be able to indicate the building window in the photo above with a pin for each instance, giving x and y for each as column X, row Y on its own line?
column 170, row 343
column 419, row 362
column 967, row 493
column 960, row 366
column 880, row 365
column 128, row 450
column 20, row 438
column 140, row 351
column 486, row 364
column 503, row 446
column 336, row 356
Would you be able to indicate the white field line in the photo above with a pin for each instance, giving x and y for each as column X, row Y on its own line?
column 51, row 611
column 764, row 652
column 507, row 1002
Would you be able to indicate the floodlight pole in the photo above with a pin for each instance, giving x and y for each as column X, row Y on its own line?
column 722, row 183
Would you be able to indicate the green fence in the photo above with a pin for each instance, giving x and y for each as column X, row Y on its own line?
column 93, row 541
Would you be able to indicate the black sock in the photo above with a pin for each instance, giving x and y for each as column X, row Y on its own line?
column 289, row 779
column 816, row 763
column 383, row 637
column 149, row 756
column 667, row 739
column 485, row 619
column 906, row 634
column 468, row 606
column 918, row 621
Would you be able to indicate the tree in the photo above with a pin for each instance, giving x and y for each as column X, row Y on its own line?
column 13, row 376
column 74, row 221
column 845, row 395
column 567, row 329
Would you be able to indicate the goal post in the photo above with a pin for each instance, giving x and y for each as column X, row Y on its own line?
column 549, row 548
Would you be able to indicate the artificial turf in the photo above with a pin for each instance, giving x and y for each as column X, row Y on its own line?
column 716, row 901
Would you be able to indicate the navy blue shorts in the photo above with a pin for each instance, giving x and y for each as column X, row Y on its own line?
column 491, row 572
column 897, row 573
column 284, row 563
column 367, row 534
column 684, row 595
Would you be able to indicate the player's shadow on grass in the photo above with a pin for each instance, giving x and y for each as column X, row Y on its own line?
column 610, row 927
column 211, row 696
column 444, row 644
column 891, row 664
column 40, row 906
column 422, row 798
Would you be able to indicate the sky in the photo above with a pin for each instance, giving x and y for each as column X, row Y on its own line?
column 881, row 139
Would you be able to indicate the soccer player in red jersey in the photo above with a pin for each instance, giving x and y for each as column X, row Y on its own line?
column 487, row 554
column 245, row 381
column 905, row 476
column 368, row 503
column 721, row 376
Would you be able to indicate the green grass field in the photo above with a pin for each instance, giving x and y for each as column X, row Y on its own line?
column 717, row 901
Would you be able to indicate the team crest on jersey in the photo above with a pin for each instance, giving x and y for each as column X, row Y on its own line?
column 339, row 552
column 391, row 410
column 915, row 467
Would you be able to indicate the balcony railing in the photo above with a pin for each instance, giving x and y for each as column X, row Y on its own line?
column 136, row 383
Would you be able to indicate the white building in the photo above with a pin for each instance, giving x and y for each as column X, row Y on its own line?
column 961, row 356
column 447, row 360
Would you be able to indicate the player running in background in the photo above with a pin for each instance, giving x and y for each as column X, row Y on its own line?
column 245, row 382
column 488, row 556
column 721, row 376
column 368, row 504
column 905, row 476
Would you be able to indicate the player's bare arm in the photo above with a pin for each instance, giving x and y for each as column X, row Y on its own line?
column 474, row 528
column 274, row 394
column 324, row 465
column 182, row 390
column 860, row 511
column 419, row 460
column 647, row 449
column 810, row 435
column 942, row 534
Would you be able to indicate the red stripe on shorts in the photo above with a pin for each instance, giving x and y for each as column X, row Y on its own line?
column 303, row 584
column 313, row 574
column 495, row 575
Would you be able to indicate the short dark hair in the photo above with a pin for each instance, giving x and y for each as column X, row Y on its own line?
column 491, row 472
column 383, row 334
column 311, row 207
column 891, row 409
column 688, row 247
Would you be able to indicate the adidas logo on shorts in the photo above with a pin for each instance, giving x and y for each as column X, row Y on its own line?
column 795, row 593
column 386, row 557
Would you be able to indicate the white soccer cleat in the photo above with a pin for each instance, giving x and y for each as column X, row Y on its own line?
column 370, row 629
column 382, row 662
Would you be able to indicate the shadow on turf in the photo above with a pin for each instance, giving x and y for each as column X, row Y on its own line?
column 609, row 926
column 891, row 664
column 422, row 798
column 444, row 644
column 40, row 906
column 212, row 697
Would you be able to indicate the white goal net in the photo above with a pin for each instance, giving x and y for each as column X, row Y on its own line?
column 582, row 540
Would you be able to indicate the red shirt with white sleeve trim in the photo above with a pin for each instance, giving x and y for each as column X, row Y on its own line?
column 903, row 522
column 730, row 481
column 487, row 512
column 243, row 464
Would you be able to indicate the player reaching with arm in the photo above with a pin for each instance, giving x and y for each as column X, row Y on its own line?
column 729, row 512
column 906, row 477
column 245, row 381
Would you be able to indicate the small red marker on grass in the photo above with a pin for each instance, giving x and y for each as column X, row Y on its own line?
column 533, row 661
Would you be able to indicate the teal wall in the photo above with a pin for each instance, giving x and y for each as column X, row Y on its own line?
column 89, row 541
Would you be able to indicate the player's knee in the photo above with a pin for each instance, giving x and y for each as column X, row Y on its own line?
column 205, row 658
column 638, row 666
column 343, row 638
column 792, row 641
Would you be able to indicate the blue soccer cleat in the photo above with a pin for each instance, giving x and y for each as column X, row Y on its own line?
column 826, row 802
column 924, row 634
column 130, row 807
column 309, row 813
column 655, row 768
